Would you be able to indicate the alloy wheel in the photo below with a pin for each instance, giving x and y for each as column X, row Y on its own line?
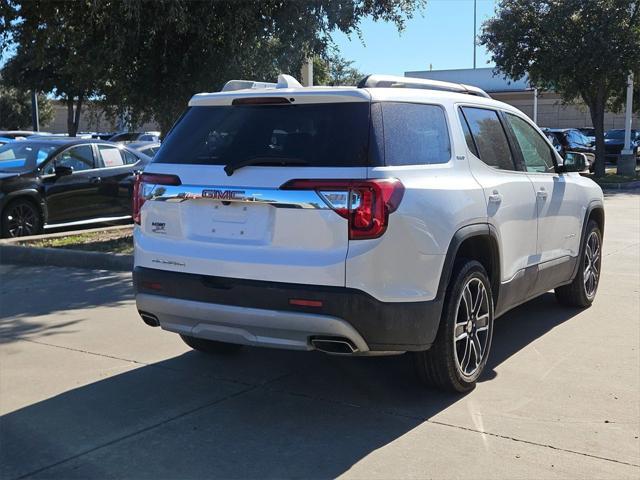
column 472, row 335
column 21, row 220
column 592, row 258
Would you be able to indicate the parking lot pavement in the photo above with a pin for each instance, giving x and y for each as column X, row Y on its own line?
column 88, row 391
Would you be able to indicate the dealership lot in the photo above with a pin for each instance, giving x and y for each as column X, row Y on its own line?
column 87, row 390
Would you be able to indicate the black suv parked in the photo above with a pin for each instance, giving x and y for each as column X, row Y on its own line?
column 60, row 181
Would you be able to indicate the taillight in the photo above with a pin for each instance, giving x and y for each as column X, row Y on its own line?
column 366, row 204
column 139, row 193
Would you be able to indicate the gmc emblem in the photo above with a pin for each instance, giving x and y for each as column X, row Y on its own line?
column 225, row 195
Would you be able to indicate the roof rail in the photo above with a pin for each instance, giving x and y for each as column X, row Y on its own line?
column 392, row 81
column 284, row 81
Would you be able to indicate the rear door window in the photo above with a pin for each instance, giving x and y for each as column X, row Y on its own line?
column 415, row 134
column 111, row 156
column 489, row 137
column 326, row 134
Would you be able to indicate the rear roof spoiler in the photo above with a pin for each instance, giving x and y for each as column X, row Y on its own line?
column 391, row 81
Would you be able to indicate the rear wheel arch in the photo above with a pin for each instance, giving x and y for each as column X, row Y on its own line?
column 31, row 195
column 473, row 242
column 596, row 213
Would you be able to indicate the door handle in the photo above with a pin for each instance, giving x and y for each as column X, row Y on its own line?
column 495, row 197
column 541, row 194
column 95, row 180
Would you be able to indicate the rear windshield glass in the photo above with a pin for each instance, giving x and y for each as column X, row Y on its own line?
column 124, row 137
column 331, row 134
column 618, row 134
column 575, row 136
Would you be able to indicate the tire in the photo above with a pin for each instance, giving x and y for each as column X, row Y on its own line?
column 210, row 346
column 580, row 293
column 21, row 218
column 448, row 364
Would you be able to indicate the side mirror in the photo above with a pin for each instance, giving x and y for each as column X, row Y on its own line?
column 573, row 162
column 62, row 171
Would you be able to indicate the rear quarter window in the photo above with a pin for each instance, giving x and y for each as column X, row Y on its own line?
column 415, row 134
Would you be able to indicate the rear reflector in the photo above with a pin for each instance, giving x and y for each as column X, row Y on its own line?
column 138, row 198
column 366, row 204
column 300, row 302
column 151, row 286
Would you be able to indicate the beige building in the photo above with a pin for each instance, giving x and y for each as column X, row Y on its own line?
column 552, row 112
column 92, row 119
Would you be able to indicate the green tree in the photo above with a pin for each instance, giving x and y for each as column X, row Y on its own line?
column 60, row 47
column 335, row 71
column 579, row 48
column 144, row 59
column 173, row 49
column 15, row 109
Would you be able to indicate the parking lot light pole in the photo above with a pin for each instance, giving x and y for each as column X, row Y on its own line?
column 35, row 114
column 627, row 159
column 475, row 32
column 307, row 73
column 627, row 117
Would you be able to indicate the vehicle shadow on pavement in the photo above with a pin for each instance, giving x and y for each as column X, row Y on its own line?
column 81, row 289
column 256, row 414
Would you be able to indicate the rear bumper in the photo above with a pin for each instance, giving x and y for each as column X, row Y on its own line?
column 247, row 326
column 259, row 312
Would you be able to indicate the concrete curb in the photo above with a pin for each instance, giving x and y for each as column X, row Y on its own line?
column 60, row 257
column 48, row 236
column 621, row 186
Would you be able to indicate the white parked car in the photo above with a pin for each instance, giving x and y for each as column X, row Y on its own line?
column 404, row 215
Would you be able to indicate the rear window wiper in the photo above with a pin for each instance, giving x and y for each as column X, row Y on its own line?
column 232, row 167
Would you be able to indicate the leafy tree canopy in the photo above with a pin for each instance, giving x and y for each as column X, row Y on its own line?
column 61, row 48
column 579, row 48
column 15, row 109
column 145, row 59
column 334, row 70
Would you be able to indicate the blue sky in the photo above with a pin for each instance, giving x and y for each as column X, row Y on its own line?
column 442, row 35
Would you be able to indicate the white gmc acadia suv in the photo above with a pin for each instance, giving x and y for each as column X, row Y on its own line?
column 403, row 215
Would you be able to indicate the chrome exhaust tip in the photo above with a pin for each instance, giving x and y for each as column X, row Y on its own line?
column 149, row 318
column 334, row 345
